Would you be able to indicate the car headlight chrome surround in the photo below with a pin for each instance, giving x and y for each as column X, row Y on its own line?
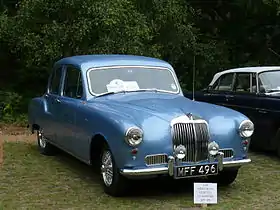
column 134, row 136
column 246, row 128
column 180, row 152
column 213, row 148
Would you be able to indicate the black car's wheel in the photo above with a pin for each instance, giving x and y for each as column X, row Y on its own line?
column 113, row 182
column 277, row 142
column 225, row 177
column 45, row 147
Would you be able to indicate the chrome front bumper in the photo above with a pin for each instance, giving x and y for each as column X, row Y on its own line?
column 171, row 163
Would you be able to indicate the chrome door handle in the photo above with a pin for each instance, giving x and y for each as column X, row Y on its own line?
column 229, row 96
column 262, row 111
column 57, row 100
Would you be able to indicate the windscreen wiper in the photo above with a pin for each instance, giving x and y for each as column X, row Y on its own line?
column 272, row 90
column 110, row 93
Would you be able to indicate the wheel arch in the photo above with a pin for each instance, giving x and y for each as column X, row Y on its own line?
column 98, row 141
column 276, row 140
column 35, row 127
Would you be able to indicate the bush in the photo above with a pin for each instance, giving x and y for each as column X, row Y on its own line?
column 10, row 107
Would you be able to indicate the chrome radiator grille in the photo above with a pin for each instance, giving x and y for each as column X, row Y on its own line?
column 194, row 136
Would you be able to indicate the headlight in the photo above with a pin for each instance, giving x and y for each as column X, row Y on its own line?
column 213, row 148
column 180, row 152
column 246, row 129
column 134, row 136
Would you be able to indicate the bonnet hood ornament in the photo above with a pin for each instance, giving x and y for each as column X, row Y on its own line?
column 190, row 116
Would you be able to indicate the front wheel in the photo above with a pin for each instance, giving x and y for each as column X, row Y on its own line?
column 114, row 183
column 225, row 177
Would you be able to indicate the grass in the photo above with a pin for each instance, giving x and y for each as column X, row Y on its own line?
column 32, row 181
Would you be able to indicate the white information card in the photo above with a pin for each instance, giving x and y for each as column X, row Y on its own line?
column 205, row 193
column 119, row 85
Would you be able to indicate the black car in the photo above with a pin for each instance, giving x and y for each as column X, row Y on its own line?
column 253, row 91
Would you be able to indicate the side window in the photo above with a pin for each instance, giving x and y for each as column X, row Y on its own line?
column 73, row 86
column 55, row 81
column 242, row 82
column 224, row 83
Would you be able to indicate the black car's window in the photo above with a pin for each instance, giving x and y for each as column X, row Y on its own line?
column 55, row 81
column 242, row 82
column 269, row 81
column 73, row 86
column 224, row 83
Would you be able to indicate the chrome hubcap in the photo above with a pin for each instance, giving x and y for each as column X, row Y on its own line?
column 107, row 168
column 42, row 140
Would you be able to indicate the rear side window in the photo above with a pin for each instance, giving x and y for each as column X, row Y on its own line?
column 73, row 86
column 55, row 81
column 242, row 82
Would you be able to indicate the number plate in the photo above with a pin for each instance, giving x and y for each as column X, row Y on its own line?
column 195, row 171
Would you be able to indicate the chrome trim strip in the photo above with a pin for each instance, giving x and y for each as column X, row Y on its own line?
column 195, row 139
column 145, row 171
column 235, row 163
column 164, row 170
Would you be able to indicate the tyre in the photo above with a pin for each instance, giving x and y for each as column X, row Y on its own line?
column 45, row 147
column 225, row 177
column 114, row 183
column 277, row 142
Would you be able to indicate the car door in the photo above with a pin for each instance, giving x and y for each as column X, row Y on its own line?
column 268, row 121
column 72, row 100
column 244, row 96
column 51, row 125
column 221, row 90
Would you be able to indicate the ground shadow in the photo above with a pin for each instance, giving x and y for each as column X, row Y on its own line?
column 270, row 154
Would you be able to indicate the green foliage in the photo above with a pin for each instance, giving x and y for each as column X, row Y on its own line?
column 55, row 29
column 218, row 34
column 10, row 107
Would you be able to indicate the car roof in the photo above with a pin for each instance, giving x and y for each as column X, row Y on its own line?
column 90, row 61
column 253, row 69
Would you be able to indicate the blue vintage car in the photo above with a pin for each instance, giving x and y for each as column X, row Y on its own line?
column 128, row 114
